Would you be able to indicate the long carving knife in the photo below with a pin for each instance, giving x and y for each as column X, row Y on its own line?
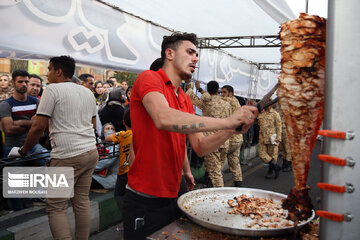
column 266, row 99
column 275, row 100
column 264, row 102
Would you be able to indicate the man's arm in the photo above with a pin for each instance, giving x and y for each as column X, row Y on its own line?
column 93, row 120
column 108, row 138
column 36, row 131
column 169, row 119
column 131, row 156
column 203, row 145
column 12, row 127
column 189, row 178
column 278, row 127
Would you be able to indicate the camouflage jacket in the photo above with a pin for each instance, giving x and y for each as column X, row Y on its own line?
column 278, row 109
column 235, row 105
column 270, row 123
column 195, row 99
column 211, row 106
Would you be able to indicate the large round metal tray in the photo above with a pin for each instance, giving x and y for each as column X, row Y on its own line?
column 208, row 207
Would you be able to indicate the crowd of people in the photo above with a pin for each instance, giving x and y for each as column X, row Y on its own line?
column 152, row 167
column 20, row 97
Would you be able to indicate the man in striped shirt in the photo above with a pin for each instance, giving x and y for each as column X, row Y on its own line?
column 17, row 115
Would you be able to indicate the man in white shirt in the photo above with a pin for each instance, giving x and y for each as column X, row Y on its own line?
column 70, row 111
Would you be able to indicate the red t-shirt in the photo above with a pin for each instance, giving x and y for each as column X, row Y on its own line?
column 159, row 154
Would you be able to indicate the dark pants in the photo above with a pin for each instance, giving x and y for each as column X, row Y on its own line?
column 1, row 145
column 120, row 190
column 95, row 184
column 183, row 187
column 144, row 216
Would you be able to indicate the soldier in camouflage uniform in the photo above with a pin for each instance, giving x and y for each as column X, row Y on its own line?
column 212, row 105
column 284, row 145
column 235, row 142
column 270, row 123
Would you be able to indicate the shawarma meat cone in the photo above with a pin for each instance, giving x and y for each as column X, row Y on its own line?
column 301, row 96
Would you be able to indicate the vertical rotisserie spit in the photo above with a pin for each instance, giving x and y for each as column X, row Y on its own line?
column 301, row 97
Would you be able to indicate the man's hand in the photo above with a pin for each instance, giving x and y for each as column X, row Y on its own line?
column 245, row 117
column 187, row 80
column 188, row 86
column 197, row 85
column 14, row 152
column 190, row 182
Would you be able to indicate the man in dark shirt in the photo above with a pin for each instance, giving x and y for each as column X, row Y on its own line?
column 17, row 114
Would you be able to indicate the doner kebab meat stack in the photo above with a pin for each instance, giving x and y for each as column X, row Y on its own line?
column 301, row 97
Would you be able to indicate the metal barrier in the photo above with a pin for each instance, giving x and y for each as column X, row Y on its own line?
column 105, row 150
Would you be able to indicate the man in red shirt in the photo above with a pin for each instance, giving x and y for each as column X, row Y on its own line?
column 162, row 117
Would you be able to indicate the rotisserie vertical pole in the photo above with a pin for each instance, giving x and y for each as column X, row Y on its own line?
column 301, row 97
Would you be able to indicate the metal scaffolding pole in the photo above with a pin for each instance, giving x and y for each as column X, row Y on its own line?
column 263, row 41
column 240, row 42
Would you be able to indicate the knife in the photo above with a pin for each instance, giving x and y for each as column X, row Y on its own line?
column 275, row 100
column 264, row 102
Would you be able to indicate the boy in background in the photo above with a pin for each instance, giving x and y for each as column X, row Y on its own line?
column 123, row 138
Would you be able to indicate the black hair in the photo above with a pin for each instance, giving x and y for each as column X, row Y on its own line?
column 126, row 92
column 229, row 88
column 157, row 64
column 19, row 72
column 65, row 63
column 117, row 94
column 111, row 83
column 83, row 77
column 175, row 39
column 127, row 117
column 76, row 80
column 96, row 83
column 36, row 76
column 213, row 87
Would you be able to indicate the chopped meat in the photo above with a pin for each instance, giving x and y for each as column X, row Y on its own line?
column 263, row 212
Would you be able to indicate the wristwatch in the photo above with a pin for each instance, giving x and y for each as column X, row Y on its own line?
column 200, row 89
column 21, row 152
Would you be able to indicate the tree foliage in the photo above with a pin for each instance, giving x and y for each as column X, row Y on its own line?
column 127, row 76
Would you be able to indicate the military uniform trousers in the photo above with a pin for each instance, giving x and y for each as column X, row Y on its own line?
column 214, row 165
column 268, row 152
column 233, row 156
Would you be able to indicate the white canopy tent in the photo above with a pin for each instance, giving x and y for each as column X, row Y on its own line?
column 126, row 34
column 214, row 18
